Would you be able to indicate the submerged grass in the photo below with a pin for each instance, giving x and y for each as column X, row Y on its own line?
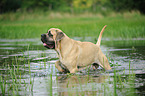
column 125, row 25
column 13, row 82
column 118, row 84
column 115, row 81
column 3, row 85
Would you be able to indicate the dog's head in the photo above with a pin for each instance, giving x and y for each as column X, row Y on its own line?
column 51, row 37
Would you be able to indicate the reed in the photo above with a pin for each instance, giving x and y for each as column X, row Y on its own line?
column 3, row 85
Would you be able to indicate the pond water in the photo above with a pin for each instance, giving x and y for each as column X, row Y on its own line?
column 27, row 68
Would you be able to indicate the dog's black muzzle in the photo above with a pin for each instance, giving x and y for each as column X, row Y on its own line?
column 46, row 43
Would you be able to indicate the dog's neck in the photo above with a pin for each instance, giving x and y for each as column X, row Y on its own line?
column 63, row 45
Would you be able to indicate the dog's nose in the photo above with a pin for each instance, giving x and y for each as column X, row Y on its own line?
column 43, row 35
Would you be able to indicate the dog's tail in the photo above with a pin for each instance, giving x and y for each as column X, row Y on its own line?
column 100, row 36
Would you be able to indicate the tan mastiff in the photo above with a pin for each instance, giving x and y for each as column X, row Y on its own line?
column 74, row 55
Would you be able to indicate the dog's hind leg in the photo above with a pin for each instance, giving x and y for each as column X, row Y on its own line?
column 73, row 70
column 103, row 62
column 95, row 66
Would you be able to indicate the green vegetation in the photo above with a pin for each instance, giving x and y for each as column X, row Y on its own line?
column 72, row 6
column 125, row 25
column 15, row 84
column 29, row 19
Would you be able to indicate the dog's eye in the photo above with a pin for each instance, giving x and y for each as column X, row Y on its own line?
column 49, row 34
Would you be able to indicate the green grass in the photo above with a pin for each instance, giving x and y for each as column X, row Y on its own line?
column 125, row 25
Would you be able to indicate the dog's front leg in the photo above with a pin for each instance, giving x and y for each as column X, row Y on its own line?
column 58, row 66
column 61, row 68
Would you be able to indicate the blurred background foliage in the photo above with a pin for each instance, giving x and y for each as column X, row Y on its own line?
column 31, row 18
column 72, row 6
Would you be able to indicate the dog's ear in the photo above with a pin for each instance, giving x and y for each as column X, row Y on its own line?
column 59, row 36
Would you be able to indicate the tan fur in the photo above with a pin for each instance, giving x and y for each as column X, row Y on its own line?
column 74, row 53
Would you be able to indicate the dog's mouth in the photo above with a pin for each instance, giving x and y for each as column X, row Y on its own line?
column 49, row 45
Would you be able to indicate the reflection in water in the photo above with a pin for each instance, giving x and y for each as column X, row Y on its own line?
column 81, row 85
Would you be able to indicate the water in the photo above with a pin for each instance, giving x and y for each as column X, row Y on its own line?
column 28, row 69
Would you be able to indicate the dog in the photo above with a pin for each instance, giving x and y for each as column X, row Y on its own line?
column 74, row 55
